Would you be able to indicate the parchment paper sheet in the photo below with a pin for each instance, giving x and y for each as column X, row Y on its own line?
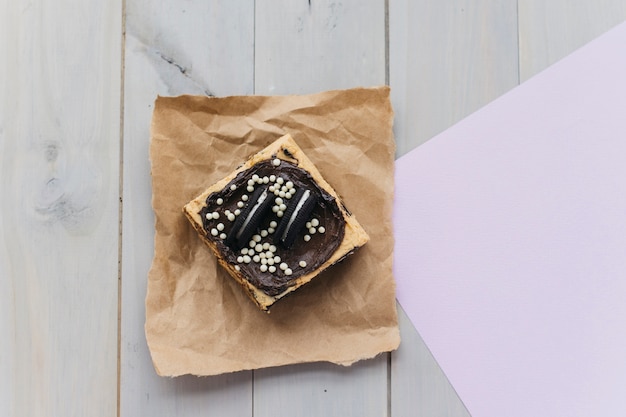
column 198, row 320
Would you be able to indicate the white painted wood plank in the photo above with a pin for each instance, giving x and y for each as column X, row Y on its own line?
column 550, row 30
column 304, row 47
column 7, row 300
column 59, row 176
column 448, row 59
column 398, row 20
column 172, row 48
column 7, row 325
column 322, row 389
column 308, row 46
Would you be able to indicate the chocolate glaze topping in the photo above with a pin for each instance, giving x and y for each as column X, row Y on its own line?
column 313, row 252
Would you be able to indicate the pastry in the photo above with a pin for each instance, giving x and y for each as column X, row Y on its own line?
column 274, row 223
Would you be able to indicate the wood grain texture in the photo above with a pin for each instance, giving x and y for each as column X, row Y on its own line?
column 550, row 30
column 304, row 47
column 60, row 86
column 7, row 298
column 172, row 48
column 59, row 167
column 308, row 46
column 448, row 59
column 322, row 389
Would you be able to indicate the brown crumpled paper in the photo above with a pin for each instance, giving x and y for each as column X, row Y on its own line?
column 198, row 320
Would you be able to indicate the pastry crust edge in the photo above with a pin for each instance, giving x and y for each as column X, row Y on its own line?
column 284, row 148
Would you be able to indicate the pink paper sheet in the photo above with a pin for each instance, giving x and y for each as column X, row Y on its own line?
column 511, row 243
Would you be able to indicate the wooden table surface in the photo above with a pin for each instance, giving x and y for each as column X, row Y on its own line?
column 77, row 84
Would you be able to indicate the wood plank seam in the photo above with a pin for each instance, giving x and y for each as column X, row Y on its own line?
column 120, row 258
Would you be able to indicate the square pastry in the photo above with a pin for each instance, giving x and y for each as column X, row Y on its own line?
column 274, row 223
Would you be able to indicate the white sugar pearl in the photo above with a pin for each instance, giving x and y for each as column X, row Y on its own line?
column 270, row 230
column 264, row 233
column 273, row 224
column 275, row 209
column 244, row 197
column 256, row 258
column 273, row 248
column 315, row 222
column 262, row 255
column 278, row 201
column 256, row 238
column 219, row 201
column 283, row 266
column 220, row 226
column 222, row 236
column 289, row 184
column 237, row 268
column 209, row 216
column 288, row 196
column 263, row 260
column 240, row 204
column 252, row 243
column 263, row 268
column 214, row 232
column 284, row 188
column 240, row 259
column 231, row 217
column 244, row 251
column 270, row 261
column 251, row 252
column 276, row 192
column 215, row 215
column 273, row 178
column 237, row 212
column 266, row 246
column 288, row 271
column 302, row 264
column 272, row 269
column 307, row 238
column 271, row 189
column 283, row 207
column 280, row 181
column 227, row 212
column 282, row 194
column 276, row 259
column 250, row 188
column 246, row 259
column 266, row 179
column 279, row 214
column 269, row 254
column 258, row 247
column 321, row 229
column 255, row 178
column 233, row 187
column 308, row 225
column 276, row 162
column 250, row 182
column 312, row 230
